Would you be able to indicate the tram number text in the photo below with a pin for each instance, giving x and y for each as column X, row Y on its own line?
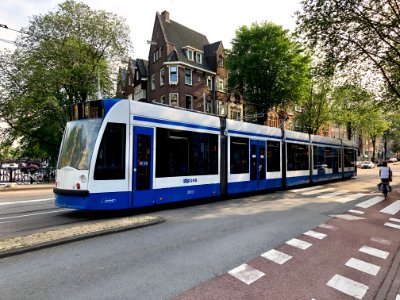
column 189, row 180
column 190, row 192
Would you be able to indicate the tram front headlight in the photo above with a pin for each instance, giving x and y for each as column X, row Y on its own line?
column 83, row 178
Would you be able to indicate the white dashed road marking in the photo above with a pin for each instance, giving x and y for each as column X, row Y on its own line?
column 316, row 235
column 370, row 202
column 350, row 198
column 363, row 266
column 347, row 217
column 348, row 286
column 394, row 220
column 277, row 256
column 397, row 226
column 381, row 241
column 330, row 227
column 354, row 211
column 392, row 209
column 331, row 195
column 306, row 189
column 374, row 252
column 318, row 191
column 246, row 274
column 303, row 245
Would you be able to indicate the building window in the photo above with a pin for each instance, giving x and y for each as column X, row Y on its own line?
column 189, row 102
column 173, row 74
column 189, row 54
column 235, row 115
column 209, row 83
column 162, row 99
column 221, row 62
column 208, row 107
column 153, row 81
column 173, row 99
column 221, row 84
column 162, row 77
column 188, row 76
column 272, row 120
column 199, row 57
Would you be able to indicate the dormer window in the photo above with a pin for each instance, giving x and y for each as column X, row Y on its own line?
column 199, row 57
column 189, row 53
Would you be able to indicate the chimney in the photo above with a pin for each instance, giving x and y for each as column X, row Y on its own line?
column 165, row 15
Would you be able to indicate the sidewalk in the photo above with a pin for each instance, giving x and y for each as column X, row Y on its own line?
column 12, row 186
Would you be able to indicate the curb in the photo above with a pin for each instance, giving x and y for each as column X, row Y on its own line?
column 60, row 241
column 391, row 284
column 11, row 188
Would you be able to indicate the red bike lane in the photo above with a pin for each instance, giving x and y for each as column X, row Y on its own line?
column 348, row 257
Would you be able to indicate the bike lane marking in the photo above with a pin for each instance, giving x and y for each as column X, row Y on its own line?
column 246, row 274
column 370, row 202
column 392, row 209
column 374, row 252
column 363, row 266
column 348, row 286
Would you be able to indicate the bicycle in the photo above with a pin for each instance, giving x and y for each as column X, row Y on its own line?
column 27, row 178
column 385, row 188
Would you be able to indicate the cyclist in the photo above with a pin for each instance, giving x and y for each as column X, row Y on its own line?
column 385, row 173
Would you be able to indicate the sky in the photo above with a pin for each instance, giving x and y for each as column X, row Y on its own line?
column 216, row 19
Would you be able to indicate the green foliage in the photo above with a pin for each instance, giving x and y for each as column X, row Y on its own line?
column 354, row 34
column 316, row 108
column 267, row 67
column 61, row 59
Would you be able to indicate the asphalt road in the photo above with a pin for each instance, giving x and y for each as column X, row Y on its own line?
column 195, row 244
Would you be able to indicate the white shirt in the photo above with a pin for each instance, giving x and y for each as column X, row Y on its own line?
column 385, row 172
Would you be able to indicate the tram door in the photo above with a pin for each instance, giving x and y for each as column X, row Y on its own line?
column 257, row 162
column 142, row 166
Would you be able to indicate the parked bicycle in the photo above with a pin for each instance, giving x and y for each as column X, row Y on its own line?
column 29, row 178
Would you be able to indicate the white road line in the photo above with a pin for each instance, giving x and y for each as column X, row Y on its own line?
column 334, row 194
column 303, row 245
column 350, row 198
column 318, row 191
column 276, row 256
column 348, row 286
column 394, row 220
column 305, row 189
column 363, row 266
column 397, row 226
column 381, row 241
column 374, row 252
column 370, row 202
column 34, row 214
column 246, row 274
column 316, row 235
column 347, row 217
column 354, row 211
column 398, row 297
column 26, row 201
column 330, row 227
column 392, row 209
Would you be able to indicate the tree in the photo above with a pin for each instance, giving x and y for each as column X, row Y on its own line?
column 350, row 104
column 355, row 34
column 62, row 58
column 373, row 125
column 267, row 67
column 316, row 108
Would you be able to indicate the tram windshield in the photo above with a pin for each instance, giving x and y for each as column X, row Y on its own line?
column 78, row 143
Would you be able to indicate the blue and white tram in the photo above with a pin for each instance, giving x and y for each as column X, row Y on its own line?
column 121, row 154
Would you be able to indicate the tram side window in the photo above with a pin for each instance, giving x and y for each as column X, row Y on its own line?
column 297, row 157
column 110, row 163
column 185, row 153
column 273, row 156
column 349, row 158
column 239, row 155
